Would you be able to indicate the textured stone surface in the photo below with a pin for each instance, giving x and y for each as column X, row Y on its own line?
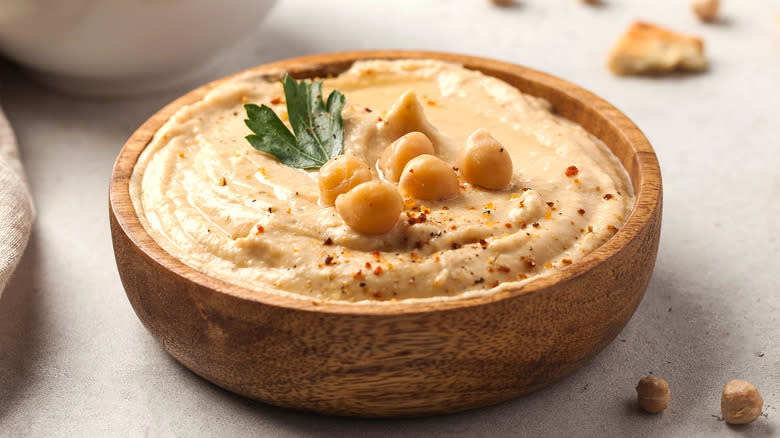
column 75, row 360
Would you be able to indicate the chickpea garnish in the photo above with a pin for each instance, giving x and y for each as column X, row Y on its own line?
column 395, row 156
column 485, row 162
column 339, row 175
column 740, row 402
column 371, row 207
column 652, row 394
column 706, row 10
column 429, row 178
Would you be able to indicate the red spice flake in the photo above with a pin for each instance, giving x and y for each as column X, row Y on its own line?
column 445, row 208
column 611, row 228
column 378, row 270
column 328, row 241
column 508, row 225
column 276, row 101
column 523, row 225
column 376, row 254
column 377, row 294
column 572, row 171
column 551, row 204
column 413, row 255
column 416, row 219
column 521, row 276
column 490, row 270
column 368, row 265
column 379, row 119
column 328, row 260
column 411, row 170
column 566, row 261
column 368, row 110
column 314, row 303
column 581, row 211
column 535, row 224
column 358, row 274
column 609, row 196
column 494, row 284
column 260, row 229
column 483, row 242
column 453, row 227
column 503, row 268
column 530, row 262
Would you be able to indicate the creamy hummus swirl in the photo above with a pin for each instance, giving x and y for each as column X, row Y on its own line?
column 237, row 214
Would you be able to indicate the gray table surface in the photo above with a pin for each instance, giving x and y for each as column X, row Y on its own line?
column 75, row 360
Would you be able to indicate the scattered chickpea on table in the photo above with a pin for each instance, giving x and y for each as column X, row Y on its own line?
column 740, row 402
column 706, row 10
column 652, row 394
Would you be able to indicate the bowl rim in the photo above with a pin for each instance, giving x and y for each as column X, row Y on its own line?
column 646, row 201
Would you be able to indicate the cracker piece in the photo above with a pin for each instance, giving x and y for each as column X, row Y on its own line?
column 647, row 49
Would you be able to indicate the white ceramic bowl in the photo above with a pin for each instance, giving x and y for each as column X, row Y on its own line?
column 125, row 46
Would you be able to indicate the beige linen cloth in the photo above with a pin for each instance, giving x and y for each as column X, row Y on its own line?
column 16, row 206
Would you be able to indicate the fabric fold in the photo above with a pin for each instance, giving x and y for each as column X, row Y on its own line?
column 17, row 211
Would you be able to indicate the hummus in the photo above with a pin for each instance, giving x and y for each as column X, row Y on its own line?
column 237, row 214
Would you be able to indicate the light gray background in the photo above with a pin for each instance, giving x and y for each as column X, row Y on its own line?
column 75, row 360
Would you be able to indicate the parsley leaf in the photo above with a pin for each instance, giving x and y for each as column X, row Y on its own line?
column 318, row 127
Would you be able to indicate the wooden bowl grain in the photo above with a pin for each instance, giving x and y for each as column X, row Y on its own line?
column 397, row 359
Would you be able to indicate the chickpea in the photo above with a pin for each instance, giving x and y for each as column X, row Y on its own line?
column 430, row 178
column 339, row 175
column 706, row 10
column 740, row 402
column 395, row 156
column 652, row 394
column 371, row 207
column 485, row 162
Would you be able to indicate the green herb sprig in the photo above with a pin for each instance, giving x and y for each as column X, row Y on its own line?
column 318, row 127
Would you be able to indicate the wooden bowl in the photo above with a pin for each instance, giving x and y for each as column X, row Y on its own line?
column 396, row 359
